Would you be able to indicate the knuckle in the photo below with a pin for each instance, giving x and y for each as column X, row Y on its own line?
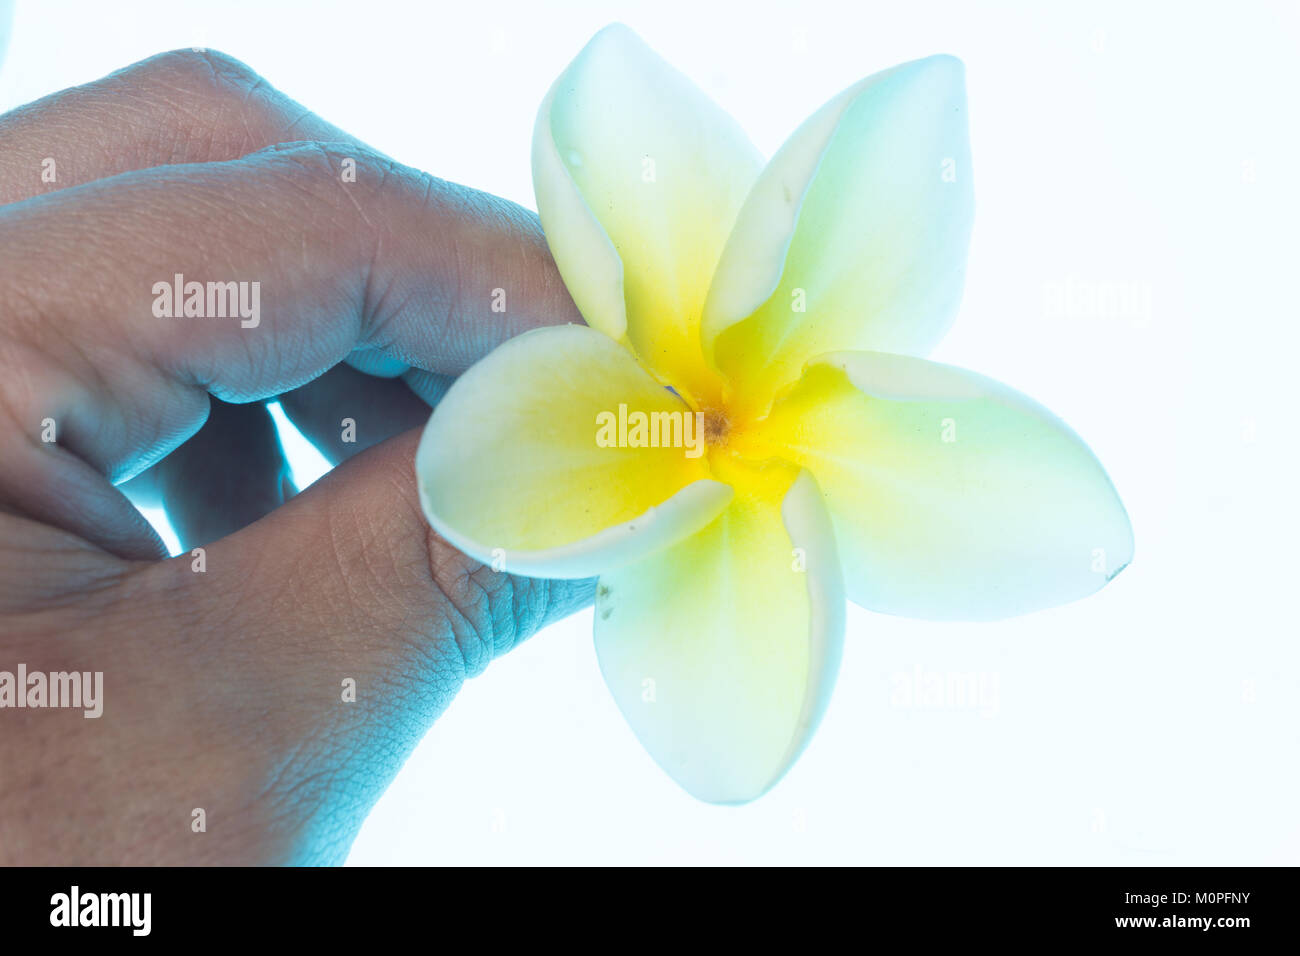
column 322, row 166
column 488, row 612
column 318, row 169
column 465, row 602
column 320, row 163
column 205, row 73
column 216, row 107
column 359, row 189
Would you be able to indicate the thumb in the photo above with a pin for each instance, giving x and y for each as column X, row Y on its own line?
column 348, row 581
column 352, row 562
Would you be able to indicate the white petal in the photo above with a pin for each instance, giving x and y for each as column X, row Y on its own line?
column 639, row 177
column 854, row 236
column 953, row 496
column 722, row 650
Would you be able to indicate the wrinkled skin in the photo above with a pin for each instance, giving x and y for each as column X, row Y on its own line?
column 222, row 689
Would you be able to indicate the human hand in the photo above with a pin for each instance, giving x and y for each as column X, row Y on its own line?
column 224, row 671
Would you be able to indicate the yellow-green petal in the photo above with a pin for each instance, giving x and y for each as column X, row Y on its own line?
column 639, row 177
column 953, row 496
column 511, row 472
column 854, row 236
column 722, row 650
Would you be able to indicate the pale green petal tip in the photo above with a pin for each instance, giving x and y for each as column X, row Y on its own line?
column 954, row 497
column 887, row 157
column 738, row 667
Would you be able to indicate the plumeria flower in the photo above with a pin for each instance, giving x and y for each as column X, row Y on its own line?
column 784, row 308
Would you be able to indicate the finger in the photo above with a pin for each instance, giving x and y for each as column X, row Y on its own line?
column 230, row 474
column 358, row 619
column 430, row 386
column 187, row 106
column 344, row 412
column 397, row 261
column 366, row 571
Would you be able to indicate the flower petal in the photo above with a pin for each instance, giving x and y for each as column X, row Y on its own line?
column 953, row 496
column 721, row 651
column 639, row 177
column 855, row 234
column 510, row 471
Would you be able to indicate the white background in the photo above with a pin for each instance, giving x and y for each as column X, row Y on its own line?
column 1151, row 148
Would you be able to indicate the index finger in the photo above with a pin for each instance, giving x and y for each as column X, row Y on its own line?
column 184, row 106
column 318, row 248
